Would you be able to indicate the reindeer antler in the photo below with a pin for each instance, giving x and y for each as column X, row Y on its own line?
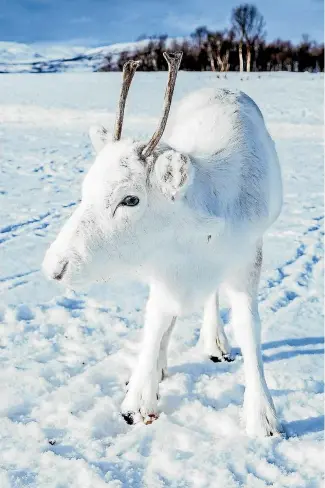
column 174, row 61
column 129, row 69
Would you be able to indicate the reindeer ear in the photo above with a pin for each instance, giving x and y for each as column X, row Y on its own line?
column 98, row 136
column 174, row 173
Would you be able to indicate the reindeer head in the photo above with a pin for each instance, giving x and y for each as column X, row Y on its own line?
column 127, row 199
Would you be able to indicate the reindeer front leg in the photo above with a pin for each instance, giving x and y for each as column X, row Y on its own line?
column 141, row 399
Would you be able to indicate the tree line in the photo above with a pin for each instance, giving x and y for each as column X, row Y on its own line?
column 241, row 48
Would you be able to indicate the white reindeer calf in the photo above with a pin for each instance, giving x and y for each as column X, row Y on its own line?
column 184, row 215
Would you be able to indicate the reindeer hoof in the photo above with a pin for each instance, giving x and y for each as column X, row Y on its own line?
column 215, row 359
column 228, row 358
column 223, row 358
column 128, row 417
column 132, row 418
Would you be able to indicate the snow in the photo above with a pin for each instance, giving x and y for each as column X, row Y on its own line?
column 65, row 357
column 17, row 57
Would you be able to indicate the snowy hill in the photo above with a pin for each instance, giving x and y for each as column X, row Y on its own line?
column 24, row 58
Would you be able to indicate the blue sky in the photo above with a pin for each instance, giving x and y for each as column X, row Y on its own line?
column 95, row 22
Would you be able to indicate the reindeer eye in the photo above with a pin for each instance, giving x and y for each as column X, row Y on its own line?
column 130, row 201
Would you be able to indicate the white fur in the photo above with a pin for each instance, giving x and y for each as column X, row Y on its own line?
column 213, row 338
column 207, row 195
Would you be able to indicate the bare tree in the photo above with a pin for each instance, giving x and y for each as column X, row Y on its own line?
column 249, row 24
column 218, row 51
column 200, row 35
column 210, row 52
column 218, row 46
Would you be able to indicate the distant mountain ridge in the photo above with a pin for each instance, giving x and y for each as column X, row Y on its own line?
column 198, row 56
column 33, row 58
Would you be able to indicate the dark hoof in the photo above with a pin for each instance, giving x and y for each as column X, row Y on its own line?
column 128, row 417
column 228, row 358
column 215, row 359
column 225, row 357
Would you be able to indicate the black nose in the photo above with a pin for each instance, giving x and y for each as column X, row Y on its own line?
column 58, row 276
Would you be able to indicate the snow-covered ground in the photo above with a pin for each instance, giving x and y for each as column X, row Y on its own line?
column 65, row 358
